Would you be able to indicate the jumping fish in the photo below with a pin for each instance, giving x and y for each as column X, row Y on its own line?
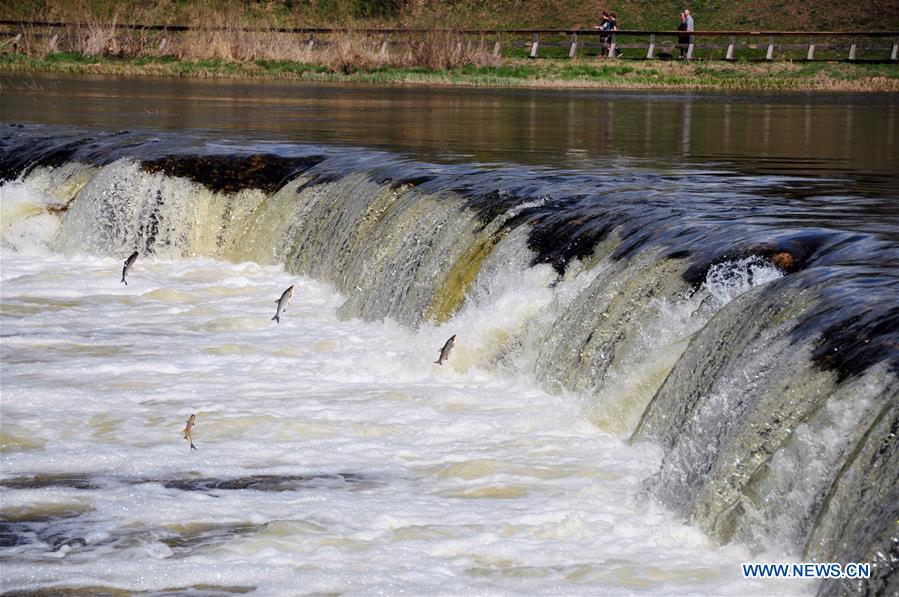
column 188, row 430
column 446, row 350
column 282, row 304
column 128, row 263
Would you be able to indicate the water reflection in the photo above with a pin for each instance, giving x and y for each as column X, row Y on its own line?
column 806, row 134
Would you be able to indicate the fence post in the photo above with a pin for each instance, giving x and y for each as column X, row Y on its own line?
column 497, row 45
column 895, row 55
column 612, row 45
column 15, row 43
column 769, row 55
column 811, row 49
column 690, row 49
column 311, row 43
column 652, row 46
column 383, row 50
column 572, row 53
column 852, row 47
column 730, row 48
column 534, row 45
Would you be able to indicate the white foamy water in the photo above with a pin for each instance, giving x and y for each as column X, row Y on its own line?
column 393, row 475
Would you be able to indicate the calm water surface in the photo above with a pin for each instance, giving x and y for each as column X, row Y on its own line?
column 854, row 136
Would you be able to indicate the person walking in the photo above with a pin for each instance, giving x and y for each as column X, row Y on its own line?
column 613, row 26
column 604, row 27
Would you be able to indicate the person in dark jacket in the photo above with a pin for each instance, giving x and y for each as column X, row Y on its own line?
column 613, row 26
column 683, row 40
column 603, row 32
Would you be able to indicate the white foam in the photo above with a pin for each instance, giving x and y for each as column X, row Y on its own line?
column 25, row 224
column 474, row 481
column 728, row 280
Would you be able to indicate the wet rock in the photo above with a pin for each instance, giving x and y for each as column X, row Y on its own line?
column 262, row 482
column 43, row 481
column 784, row 261
column 233, row 173
column 99, row 591
column 188, row 537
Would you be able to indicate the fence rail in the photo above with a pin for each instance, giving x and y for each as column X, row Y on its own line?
column 878, row 46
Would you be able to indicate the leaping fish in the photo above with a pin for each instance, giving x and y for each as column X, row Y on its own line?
column 128, row 263
column 446, row 350
column 282, row 304
column 188, row 431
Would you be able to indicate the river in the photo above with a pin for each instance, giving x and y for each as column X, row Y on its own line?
column 676, row 321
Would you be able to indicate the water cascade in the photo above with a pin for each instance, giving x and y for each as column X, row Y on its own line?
column 751, row 340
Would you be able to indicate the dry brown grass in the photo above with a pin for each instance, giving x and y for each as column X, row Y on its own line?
column 445, row 50
column 237, row 38
column 234, row 37
column 89, row 33
column 99, row 39
column 349, row 51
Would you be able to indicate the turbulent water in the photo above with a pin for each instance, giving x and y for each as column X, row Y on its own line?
column 655, row 377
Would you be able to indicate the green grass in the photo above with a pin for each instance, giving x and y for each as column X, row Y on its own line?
column 562, row 73
column 69, row 57
column 143, row 60
column 284, row 67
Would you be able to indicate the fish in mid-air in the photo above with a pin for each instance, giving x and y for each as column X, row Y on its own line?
column 128, row 263
column 282, row 304
column 188, row 431
column 446, row 350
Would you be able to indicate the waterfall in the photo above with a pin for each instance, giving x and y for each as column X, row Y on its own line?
column 762, row 358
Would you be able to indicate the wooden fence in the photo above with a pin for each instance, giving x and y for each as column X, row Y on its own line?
column 726, row 45
column 877, row 46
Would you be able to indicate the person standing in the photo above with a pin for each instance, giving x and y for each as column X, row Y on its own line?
column 688, row 21
column 682, row 40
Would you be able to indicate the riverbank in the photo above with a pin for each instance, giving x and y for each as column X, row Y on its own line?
column 809, row 15
column 543, row 73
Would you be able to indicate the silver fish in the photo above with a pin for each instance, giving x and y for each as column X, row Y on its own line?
column 188, row 431
column 446, row 350
column 282, row 304
column 128, row 263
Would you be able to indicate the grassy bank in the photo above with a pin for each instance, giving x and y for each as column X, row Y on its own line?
column 632, row 14
column 583, row 73
column 241, row 38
